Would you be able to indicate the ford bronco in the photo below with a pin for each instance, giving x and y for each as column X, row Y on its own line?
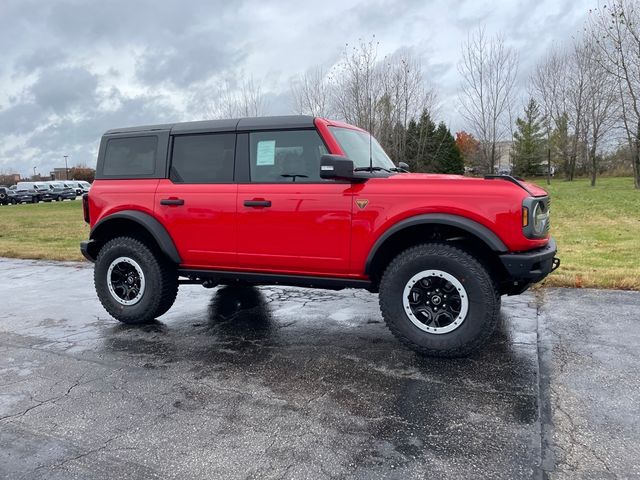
column 304, row 201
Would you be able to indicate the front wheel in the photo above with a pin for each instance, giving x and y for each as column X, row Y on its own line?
column 134, row 284
column 439, row 300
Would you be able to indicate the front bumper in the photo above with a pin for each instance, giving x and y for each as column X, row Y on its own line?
column 532, row 266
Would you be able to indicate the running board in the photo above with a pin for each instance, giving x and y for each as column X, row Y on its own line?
column 227, row 277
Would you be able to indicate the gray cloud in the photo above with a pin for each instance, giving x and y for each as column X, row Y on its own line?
column 20, row 118
column 189, row 60
column 61, row 89
column 72, row 70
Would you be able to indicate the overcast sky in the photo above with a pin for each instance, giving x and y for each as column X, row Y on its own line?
column 72, row 69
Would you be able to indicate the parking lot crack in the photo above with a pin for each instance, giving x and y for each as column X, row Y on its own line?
column 40, row 403
column 92, row 451
column 546, row 463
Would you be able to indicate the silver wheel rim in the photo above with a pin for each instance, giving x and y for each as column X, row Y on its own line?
column 125, row 281
column 435, row 301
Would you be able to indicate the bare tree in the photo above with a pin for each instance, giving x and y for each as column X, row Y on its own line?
column 616, row 28
column 488, row 70
column 381, row 96
column 312, row 92
column 403, row 96
column 600, row 106
column 243, row 100
column 358, row 85
column 251, row 102
column 550, row 84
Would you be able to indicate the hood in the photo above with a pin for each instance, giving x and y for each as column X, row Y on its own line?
column 531, row 188
column 493, row 182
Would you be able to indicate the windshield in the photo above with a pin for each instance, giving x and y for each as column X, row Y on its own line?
column 355, row 145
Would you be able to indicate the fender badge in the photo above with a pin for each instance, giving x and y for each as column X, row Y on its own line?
column 362, row 202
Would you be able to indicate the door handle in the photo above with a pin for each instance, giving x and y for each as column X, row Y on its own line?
column 257, row 203
column 172, row 201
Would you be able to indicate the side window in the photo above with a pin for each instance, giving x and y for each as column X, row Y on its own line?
column 205, row 158
column 286, row 156
column 134, row 156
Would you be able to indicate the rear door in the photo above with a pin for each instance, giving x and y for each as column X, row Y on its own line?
column 289, row 219
column 197, row 203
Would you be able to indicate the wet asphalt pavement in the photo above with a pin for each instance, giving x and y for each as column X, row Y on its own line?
column 297, row 383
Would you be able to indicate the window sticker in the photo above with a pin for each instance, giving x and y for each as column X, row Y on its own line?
column 266, row 153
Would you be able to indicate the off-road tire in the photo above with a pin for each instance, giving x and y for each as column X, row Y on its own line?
column 483, row 297
column 160, row 276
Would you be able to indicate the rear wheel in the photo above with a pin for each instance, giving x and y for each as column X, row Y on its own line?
column 439, row 300
column 134, row 284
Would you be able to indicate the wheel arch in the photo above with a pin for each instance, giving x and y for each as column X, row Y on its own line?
column 136, row 224
column 435, row 227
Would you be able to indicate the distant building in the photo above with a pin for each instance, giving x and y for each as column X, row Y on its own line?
column 503, row 155
column 9, row 178
column 59, row 174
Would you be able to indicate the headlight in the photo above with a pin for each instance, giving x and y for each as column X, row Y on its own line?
column 535, row 217
column 540, row 217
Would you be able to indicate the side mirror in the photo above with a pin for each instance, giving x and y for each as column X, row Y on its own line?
column 403, row 166
column 336, row 167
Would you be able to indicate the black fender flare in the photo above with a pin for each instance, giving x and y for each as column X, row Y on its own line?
column 463, row 223
column 149, row 223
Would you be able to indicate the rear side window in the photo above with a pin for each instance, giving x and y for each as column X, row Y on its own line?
column 286, row 156
column 203, row 158
column 130, row 157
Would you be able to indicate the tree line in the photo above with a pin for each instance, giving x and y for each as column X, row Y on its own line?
column 388, row 97
column 581, row 114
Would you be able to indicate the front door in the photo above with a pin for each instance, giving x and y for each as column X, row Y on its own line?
column 197, row 204
column 289, row 219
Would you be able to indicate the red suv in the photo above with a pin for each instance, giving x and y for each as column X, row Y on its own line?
column 305, row 201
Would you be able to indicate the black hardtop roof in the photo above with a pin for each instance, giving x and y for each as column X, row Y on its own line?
column 224, row 125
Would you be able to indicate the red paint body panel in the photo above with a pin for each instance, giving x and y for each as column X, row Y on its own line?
column 204, row 228
column 306, row 229
column 495, row 204
column 309, row 229
column 111, row 196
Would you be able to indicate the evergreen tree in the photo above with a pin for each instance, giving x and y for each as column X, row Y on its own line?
column 445, row 155
column 529, row 145
column 430, row 148
column 411, row 152
column 420, row 142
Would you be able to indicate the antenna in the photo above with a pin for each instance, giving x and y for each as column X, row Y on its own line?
column 370, row 134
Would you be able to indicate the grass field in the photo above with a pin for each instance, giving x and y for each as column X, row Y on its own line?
column 42, row 231
column 597, row 229
column 598, row 233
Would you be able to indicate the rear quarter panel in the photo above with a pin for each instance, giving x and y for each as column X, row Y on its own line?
column 111, row 196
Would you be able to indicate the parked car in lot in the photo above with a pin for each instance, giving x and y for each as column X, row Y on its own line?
column 5, row 198
column 24, row 196
column 62, row 191
column 80, row 187
column 316, row 203
column 42, row 189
